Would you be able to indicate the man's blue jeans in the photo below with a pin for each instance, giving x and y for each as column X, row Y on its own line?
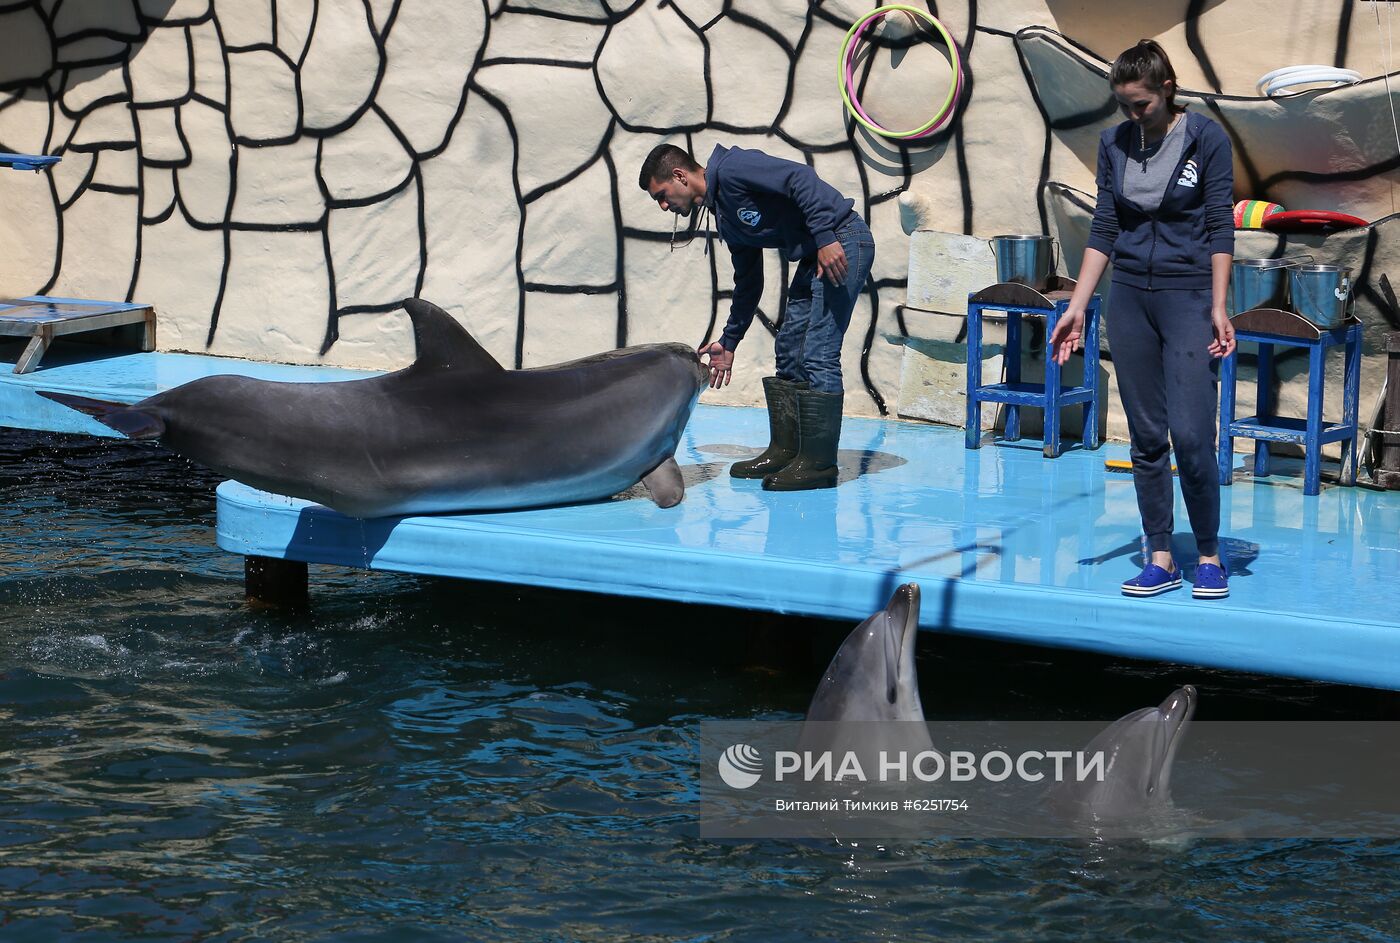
column 808, row 345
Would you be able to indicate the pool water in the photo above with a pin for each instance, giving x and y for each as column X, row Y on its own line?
column 422, row 759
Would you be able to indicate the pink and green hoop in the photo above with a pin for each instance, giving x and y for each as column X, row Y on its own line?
column 846, row 75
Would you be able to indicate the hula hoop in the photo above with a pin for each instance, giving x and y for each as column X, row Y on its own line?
column 1280, row 80
column 846, row 75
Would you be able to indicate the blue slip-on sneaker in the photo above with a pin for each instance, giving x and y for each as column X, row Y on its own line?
column 1211, row 582
column 1152, row 581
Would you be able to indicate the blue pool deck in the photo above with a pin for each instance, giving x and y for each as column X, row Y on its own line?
column 1004, row 543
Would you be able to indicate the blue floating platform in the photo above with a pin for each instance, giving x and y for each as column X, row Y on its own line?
column 1004, row 543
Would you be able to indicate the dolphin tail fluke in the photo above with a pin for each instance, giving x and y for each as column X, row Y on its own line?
column 665, row 484
column 130, row 421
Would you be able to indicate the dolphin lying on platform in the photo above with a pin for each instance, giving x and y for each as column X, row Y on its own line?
column 1139, row 749
column 452, row 432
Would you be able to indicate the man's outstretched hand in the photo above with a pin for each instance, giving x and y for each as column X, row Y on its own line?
column 721, row 363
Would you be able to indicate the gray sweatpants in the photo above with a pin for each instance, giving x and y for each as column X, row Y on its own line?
column 1167, row 379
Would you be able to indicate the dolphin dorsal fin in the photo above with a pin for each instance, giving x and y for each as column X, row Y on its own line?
column 444, row 344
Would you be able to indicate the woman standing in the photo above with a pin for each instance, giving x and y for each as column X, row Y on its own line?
column 1163, row 216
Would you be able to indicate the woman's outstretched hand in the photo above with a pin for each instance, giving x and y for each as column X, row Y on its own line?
column 1068, row 336
column 1224, row 343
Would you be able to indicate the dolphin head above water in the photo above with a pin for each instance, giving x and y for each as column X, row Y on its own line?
column 872, row 676
column 1139, row 750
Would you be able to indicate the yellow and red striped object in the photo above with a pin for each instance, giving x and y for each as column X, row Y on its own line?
column 1250, row 214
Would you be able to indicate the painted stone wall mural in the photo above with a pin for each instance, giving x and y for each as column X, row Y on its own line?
column 275, row 176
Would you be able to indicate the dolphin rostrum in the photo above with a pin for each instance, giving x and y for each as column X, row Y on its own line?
column 454, row 431
column 1139, row 750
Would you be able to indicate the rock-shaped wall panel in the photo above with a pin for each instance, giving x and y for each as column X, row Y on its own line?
column 514, row 36
column 210, row 75
column 652, row 69
column 91, row 86
column 277, row 186
column 559, row 328
column 473, row 223
column 205, row 184
column 29, row 252
column 701, row 12
column 99, row 247
column 263, row 103
column 277, row 302
column 160, row 67
column 24, row 122
column 72, row 173
column 749, row 74
column 181, row 271
column 341, row 66
column 161, row 143
column 117, row 19
column 570, row 235
column 364, row 161
column 28, row 51
column 668, row 293
column 429, row 54
column 1003, row 137
column 104, row 126
column 787, row 18
column 116, row 170
column 245, row 22
column 558, row 118
column 92, row 50
column 376, row 250
column 157, row 193
column 294, row 22
column 815, row 115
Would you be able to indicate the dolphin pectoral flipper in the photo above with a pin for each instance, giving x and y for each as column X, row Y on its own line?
column 131, row 421
column 665, row 484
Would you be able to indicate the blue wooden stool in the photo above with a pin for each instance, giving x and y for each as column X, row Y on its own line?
column 1018, row 301
column 1270, row 327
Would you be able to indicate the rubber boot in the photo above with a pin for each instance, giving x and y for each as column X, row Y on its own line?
column 819, row 429
column 782, row 430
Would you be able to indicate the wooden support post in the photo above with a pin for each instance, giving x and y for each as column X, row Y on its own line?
column 35, row 349
column 1388, row 468
column 271, row 583
column 148, row 330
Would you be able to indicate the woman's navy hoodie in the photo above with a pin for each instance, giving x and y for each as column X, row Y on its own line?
column 764, row 202
column 1170, row 248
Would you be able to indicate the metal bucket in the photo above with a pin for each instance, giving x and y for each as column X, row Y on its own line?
column 1320, row 293
column 1025, row 260
column 1258, row 283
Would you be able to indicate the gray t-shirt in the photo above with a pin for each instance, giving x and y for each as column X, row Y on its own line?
column 1147, row 173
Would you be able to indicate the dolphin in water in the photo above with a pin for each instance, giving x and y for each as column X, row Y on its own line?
column 454, row 431
column 1139, row 750
column 872, row 677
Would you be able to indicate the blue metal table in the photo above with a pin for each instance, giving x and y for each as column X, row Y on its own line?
column 1270, row 328
column 1018, row 301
